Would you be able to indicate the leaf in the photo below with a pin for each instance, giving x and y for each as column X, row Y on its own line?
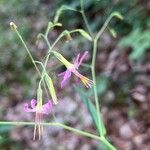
column 139, row 41
column 102, row 84
column 92, row 110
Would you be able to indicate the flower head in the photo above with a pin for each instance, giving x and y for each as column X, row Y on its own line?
column 35, row 107
column 72, row 68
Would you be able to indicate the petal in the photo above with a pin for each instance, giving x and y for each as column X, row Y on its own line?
column 82, row 57
column 61, row 74
column 87, row 82
column 76, row 61
column 47, row 107
column 33, row 103
column 66, row 77
column 27, row 109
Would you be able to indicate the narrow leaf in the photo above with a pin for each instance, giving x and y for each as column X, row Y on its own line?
column 92, row 110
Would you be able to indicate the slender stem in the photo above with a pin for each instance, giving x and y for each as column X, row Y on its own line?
column 85, row 18
column 105, row 141
column 50, row 48
column 28, row 51
column 45, row 38
column 95, row 85
column 30, row 55
column 103, row 27
column 47, row 31
column 80, row 132
column 95, row 42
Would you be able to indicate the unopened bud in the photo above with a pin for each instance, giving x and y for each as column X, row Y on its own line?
column 51, row 88
column 13, row 26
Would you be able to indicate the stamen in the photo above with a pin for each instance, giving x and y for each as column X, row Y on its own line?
column 87, row 82
column 35, row 127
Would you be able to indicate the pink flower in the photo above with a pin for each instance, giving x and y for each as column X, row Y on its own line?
column 44, row 110
column 39, row 110
column 72, row 68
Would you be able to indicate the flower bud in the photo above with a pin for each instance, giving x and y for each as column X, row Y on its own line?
column 51, row 89
column 13, row 26
column 39, row 97
column 62, row 59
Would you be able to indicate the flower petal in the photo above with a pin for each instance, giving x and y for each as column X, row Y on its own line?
column 47, row 107
column 82, row 57
column 27, row 109
column 66, row 77
column 61, row 74
column 79, row 59
column 33, row 103
column 76, row 61
column 87, row 82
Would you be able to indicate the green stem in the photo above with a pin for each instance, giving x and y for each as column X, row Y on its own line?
column 95, row 85
column 83, row 133
column 85, row 18
column 30, row 55
column 47, row 31
column 95, row 42
column 28, row 51
column 105, row 141
column 45, row 38
column 50, row 48
column 103, row 27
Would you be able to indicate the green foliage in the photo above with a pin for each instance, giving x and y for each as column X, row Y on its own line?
column 139, row 40
column 102, row 85
column 92, row 110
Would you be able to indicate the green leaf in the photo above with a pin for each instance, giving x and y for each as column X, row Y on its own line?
column 92, row 110
column 139, row 40
column 102, row 85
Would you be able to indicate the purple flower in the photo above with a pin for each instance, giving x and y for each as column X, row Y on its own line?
column 72, row 68
column 33, row 107
column 39, row 110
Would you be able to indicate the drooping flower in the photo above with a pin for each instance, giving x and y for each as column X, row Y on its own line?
column 73, row 68
column 39, row 110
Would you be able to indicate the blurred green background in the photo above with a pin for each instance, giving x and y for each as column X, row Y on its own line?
column 123, row 73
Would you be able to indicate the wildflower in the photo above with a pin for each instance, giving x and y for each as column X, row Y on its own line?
column 39, row 110
column 72, row 68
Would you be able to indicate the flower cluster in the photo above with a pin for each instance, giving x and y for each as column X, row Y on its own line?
column 72, row 68
column 36, row 105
